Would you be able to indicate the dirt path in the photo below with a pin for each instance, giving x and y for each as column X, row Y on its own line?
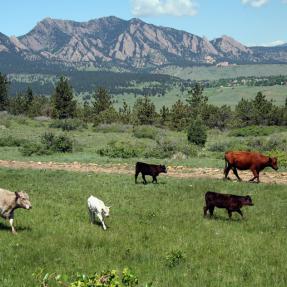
column 173, row 171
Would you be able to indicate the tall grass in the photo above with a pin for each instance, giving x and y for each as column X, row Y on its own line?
column 150, row 228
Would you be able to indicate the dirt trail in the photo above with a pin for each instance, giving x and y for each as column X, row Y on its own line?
column 173, row 171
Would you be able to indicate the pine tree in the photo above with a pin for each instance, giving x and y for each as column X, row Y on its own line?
column 4, row 83
column 125, row 113
column 63, row 103
column 144, row 111
column 102, row 101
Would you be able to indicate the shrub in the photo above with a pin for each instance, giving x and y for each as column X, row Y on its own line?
column 49, row 144
column 30, row 148
column 60, row 143
column 121, row 149
column 110, row 278
column 196, row 132
column 174, row 258
column 254, row 131
column 68, row 124
column 145, row 131
column 10, row 141
column 113, row 128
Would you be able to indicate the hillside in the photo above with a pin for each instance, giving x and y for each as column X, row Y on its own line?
column 112, row 42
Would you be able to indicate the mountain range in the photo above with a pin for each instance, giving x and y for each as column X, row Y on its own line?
column 132, row 44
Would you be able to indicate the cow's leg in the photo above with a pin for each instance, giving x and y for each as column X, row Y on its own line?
column 154, row 179
column 229, row 213
column 234, row 169
column 92, row 216
column 205, row 211
column 11, row 220
column 240, row 212
column 144, row 180
column 102, row 221
column 226, row 171
column 211, row 209
column 255, row 175
column 136, row 176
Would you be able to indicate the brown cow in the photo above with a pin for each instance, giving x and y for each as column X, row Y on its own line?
column 244, row 160
column 231, row 202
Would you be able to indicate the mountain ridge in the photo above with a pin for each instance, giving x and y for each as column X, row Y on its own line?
column 111, row 41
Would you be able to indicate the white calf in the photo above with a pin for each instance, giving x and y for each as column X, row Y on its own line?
column 97, row 208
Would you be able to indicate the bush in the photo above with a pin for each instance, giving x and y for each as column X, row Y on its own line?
column 113, row 128
column 10, row 141
column 60, row 143
column 68, row 124
column 49, row 144
column 145, row 131
column 121, row 149
column 254, row 131
column 30, row 148
column 174, row 258
column 196, row 133
column 110, row 278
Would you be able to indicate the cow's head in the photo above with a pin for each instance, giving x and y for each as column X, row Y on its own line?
column 106, row 211
column 22, row 200
column 163, row 168
column 247, row 200
column 273, row 162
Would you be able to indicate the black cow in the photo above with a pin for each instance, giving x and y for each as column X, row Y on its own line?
column 149, row 169
column 229, row 201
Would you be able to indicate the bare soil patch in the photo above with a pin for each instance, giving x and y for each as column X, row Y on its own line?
column 173, row 171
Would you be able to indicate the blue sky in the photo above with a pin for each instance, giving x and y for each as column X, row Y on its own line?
column 252, row 22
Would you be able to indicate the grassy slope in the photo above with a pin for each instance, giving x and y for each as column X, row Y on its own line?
column 214, row 73
column 146, row 223
column 217, row 96
column 88, row 142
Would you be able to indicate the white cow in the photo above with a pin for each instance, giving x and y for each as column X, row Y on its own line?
column 97, row 208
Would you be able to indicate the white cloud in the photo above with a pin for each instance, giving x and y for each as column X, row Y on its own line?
column 274, row 43
column 164, row 7
column 255, row 3
column 284, row 1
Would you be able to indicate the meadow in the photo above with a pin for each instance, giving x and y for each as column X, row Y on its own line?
column 148, row 224
column 216, row 96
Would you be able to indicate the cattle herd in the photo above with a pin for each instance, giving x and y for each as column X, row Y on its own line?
column 256, row 162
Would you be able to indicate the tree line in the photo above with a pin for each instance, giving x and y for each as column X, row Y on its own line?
column 100, row 109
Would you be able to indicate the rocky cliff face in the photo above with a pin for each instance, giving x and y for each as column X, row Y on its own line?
column 132, row 43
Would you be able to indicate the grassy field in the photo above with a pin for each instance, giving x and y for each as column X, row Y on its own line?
column 88, row 141
column 216, row 96
column 146, row 224
column 216, row 73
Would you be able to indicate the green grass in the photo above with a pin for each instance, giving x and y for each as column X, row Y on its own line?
column 216, row 73
column 217, row 96
column 146, row 224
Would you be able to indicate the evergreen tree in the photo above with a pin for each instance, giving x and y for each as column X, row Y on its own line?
column 144, row 111
column 3, row 92
column 196, row 100
column 179, row 115
column 102, row 101
column 197, row 132
column 125, row 113
column 62, row 100
column 164, row 114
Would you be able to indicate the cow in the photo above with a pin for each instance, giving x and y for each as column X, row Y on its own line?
column 10, row 201
column 97, row 208
column 244, row 160
column 228, row 201
column 149, row 169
